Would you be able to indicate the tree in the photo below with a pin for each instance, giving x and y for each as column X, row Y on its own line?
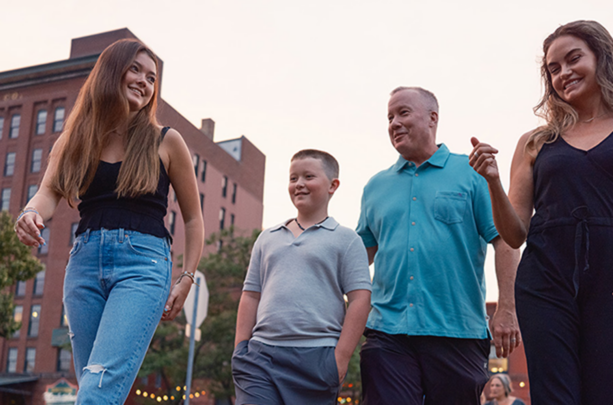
column 225, row 270
column 16, row 264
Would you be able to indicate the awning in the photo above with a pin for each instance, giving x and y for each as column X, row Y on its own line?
column 9, row 383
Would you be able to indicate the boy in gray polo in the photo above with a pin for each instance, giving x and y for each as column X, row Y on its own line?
column 294, row 333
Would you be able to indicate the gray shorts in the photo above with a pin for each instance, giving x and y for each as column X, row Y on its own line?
column 277, row 375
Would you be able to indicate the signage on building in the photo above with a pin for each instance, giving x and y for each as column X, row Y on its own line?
column 60, row 392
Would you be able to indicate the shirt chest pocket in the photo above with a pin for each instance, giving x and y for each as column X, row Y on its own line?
column 450, row 206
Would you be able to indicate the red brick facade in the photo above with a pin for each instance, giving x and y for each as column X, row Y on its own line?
column 26, row 92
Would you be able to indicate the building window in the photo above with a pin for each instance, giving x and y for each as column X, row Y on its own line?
column 64, row 359
column 9, row 164
column 6, row 199
column 44, row 249
column 233, row 193
column 73, row 231
column 20, row 289
column 232, row 219
column 32, row 189
column 171, row 222
column 202, row 202
column 39, row 283
column 15, row 122
column 28, row 366
column 196, row 162
column 37, row 157
column 41, row 122
column 1, row 126
column 58, row 119
column 203, row 173
column 34, row 321
column 11, row 362
column 222, row 217
column 17, row 317
column 224, row 186
column 495, row 364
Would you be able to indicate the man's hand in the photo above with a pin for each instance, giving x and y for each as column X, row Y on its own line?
column 506, row 333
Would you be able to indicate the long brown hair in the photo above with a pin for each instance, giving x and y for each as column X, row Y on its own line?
column 101, row 108
column 558, row 113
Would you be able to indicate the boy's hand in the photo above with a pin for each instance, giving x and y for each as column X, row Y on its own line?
column 342, row 365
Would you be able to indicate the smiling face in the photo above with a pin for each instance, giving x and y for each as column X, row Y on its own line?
column 412, row 125
column 310, row 189
column 572, row 69
column 139, row 81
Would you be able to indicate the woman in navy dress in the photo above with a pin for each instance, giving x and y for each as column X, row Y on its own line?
column 563, row 172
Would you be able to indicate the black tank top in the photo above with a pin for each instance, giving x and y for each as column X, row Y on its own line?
column 101, row 208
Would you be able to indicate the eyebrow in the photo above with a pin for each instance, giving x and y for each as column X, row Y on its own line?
column 151, row 72
column 565, row 56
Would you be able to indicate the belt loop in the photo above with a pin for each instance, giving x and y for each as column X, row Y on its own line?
column 121, row 235
column 86, row 235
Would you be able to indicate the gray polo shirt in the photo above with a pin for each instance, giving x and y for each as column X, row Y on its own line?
column 302, row 282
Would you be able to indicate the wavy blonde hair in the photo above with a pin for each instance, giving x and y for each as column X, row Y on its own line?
column 101, row 108
column 558, row 114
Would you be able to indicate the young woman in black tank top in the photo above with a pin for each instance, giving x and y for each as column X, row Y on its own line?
column 564, row 172
column 119, row 162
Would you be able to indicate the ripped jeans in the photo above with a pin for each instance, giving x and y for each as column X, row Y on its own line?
column 116, row 285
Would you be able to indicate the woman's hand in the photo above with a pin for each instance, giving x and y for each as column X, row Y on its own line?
column 28, row 228
column 176, row 299
column 483, row 160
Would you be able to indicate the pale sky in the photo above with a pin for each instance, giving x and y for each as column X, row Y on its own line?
column 291, row 75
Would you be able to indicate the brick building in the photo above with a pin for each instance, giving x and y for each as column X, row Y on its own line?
column 34, row 102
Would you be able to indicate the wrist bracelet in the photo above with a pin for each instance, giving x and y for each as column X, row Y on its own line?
column 25, row 211
column 186, row 274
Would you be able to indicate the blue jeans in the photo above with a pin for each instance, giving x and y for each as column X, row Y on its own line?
column 116, row 285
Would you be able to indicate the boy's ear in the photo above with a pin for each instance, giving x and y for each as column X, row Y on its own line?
column 334, row 186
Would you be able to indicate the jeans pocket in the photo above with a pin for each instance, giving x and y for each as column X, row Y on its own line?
column 76, row 246
column 450, row 206
column 147, row 245
column 333, row 367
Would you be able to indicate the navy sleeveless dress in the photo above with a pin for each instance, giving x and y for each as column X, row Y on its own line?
column 564, row 287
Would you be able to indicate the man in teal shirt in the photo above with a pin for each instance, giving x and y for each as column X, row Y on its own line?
column 426, row 222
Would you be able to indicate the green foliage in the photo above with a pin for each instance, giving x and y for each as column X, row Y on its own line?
column 225, row 270
column 16, row 264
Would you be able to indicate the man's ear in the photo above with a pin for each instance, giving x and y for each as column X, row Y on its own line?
column 433, row 118
column 334, row 186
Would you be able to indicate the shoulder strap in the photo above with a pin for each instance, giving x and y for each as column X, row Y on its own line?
column 164, row 130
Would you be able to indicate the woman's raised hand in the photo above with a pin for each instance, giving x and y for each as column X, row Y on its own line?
column 483, row 160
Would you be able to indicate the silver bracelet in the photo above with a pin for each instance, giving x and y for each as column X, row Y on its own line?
column 186, row 274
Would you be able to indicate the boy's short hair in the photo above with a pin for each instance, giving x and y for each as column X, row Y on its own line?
column 328, row 162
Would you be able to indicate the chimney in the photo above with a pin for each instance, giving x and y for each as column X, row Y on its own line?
column 208, row 128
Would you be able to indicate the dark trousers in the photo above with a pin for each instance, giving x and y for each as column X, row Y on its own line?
column 567, row 330
column 428, row 370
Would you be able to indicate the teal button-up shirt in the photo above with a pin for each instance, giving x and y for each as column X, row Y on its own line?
column 431, row 225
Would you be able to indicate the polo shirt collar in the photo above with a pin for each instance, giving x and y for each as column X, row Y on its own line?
column 329, row 224
column 438, row 159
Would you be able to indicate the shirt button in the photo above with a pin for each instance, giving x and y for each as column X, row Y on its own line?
column 412, row 223
column 411, row 304
column 411, row 277
column 416, row 174
column 414, row 198
column 412, row 249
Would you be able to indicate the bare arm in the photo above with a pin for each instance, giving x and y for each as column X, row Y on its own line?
column 45, row 201
column 353, row 328
column 511, row 214
column 372, row 251
column 505, row 328
column 247, row 315
column 183, row 180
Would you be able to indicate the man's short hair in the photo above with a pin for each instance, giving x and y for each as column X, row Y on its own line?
column 428, row 97
column 328, row 162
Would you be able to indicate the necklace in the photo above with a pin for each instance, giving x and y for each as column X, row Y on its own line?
column 300, row 226
column 593, row 118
